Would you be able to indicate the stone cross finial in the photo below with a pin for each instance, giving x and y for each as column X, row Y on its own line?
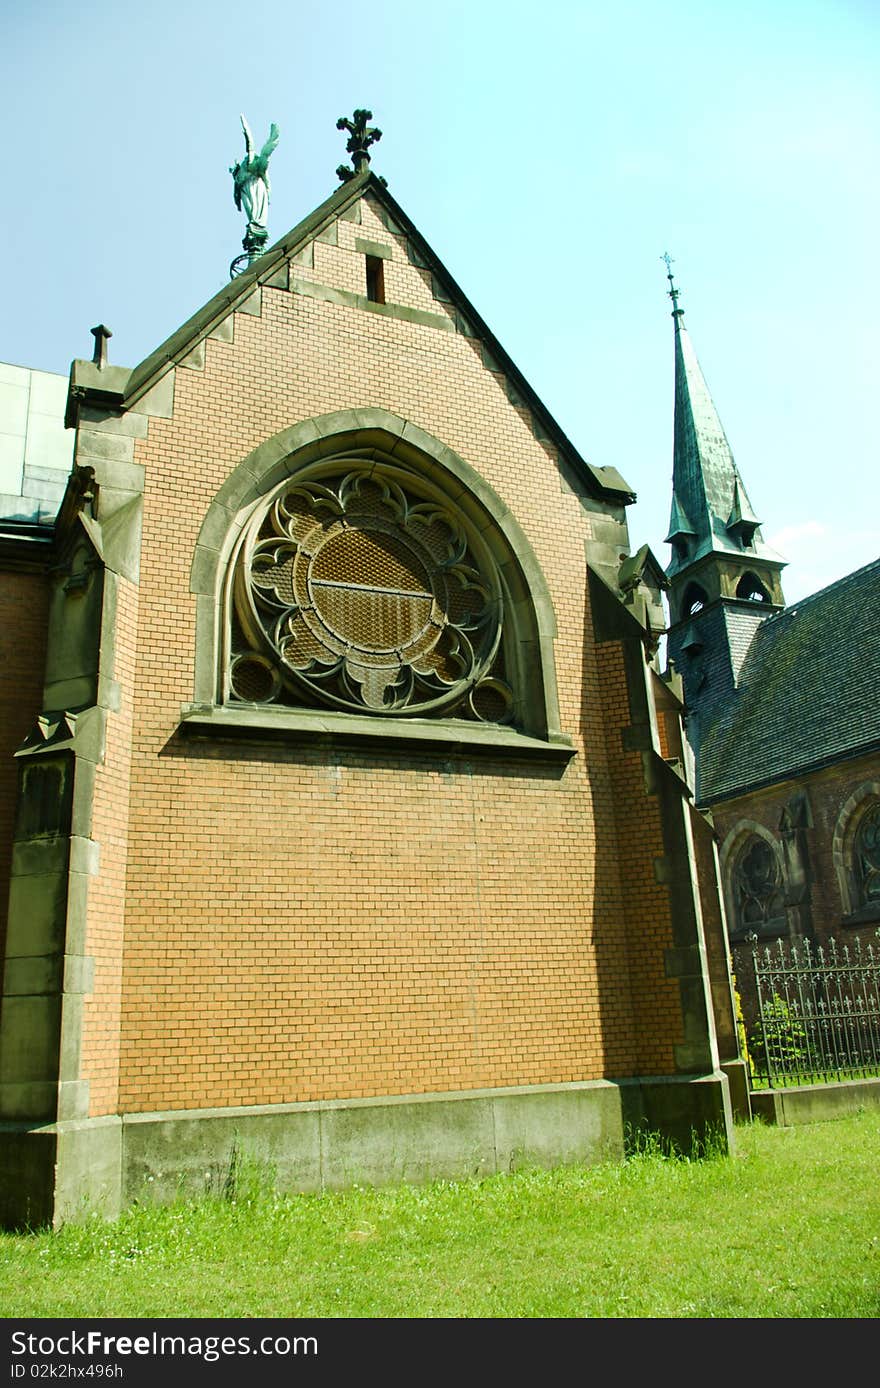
column 361, row 136
column 100, row 356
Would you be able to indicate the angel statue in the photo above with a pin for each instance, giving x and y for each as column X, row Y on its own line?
column 251, row 184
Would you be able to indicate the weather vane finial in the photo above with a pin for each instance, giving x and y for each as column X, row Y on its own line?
column 251, row 190
column 361, row 136
column 672, row 291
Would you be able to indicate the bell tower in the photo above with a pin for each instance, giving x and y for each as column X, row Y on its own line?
column 724, row 580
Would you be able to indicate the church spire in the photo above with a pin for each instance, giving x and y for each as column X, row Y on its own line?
column 723, row 577
column 711, row 512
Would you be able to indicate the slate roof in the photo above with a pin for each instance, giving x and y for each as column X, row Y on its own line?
column 808, row 692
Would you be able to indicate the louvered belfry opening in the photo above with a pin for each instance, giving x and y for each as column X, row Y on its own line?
column 358, row 585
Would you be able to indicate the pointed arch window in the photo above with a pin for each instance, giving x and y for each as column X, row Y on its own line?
column 866, row 858
column 695, row 600
column 752, row 589
column 855, row 853
column 756, row 889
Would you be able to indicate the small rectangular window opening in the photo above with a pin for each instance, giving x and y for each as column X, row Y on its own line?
column 375, row 279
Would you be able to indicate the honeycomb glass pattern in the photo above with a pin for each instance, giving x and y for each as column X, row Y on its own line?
column 360, row 588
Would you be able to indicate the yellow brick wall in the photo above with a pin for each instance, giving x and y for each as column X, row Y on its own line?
column 305, row 924
column 652, row 1020
column 106, row 899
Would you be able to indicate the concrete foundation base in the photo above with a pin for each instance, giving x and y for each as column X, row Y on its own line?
column 737, row 1073
column 689, row 1115
column 62, row 1172
column 815, row 1103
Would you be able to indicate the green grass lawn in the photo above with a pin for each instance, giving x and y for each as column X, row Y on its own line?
column 788, row 1227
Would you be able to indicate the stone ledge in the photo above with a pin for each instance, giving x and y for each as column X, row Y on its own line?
column 348, row 299
column 374, row 248
column 443, row 737
column 865, row 915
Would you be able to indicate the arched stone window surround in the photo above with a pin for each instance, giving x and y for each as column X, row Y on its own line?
column 389, row 438
column 751, row 589
column 856, row 806
column 731, row 850
column 694, row 600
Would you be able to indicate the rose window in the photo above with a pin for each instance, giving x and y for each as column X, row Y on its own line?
column 360, row 589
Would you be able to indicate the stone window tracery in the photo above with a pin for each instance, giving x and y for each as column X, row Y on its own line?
column 361, row 587
column 866, row 858
column 756, row 889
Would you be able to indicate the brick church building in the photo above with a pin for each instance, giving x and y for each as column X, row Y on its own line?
column 346, row 818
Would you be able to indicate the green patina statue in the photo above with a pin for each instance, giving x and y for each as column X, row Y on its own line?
column 251, row 187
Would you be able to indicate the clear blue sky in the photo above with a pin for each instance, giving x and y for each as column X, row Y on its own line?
column 588, row 137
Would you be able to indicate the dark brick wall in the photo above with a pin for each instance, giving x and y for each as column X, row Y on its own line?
column 24, row 601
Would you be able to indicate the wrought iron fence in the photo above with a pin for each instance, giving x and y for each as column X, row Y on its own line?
column 818, row 1013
